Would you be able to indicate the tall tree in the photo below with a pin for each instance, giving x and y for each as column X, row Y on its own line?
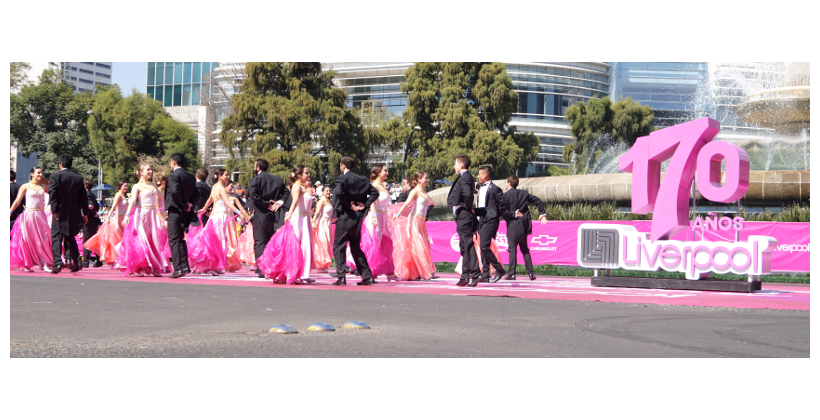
column 48, row 118
column 464, row 108
column 289, row 114
column 18, row 74
column 125, row 130
column 623, row 122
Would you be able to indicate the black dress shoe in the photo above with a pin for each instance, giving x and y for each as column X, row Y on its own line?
column 340, row 282
column 185, row 271
column 484, row 278
column 366, row 282
column 532, row 276
column 260, row 275
column 56, row 268
column 474, row 281
column 434, row 276
column 510, row 277
column 462, row 282
column 85, row 265
column 498, row 276
column 75, row 268
column 98, row 264
column 176, row 274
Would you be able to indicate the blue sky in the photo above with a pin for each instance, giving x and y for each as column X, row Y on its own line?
column 129, row 75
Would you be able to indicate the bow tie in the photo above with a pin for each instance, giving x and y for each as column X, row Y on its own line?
column 485, row 184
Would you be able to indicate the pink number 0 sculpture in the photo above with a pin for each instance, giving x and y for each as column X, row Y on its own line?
column 669, row 197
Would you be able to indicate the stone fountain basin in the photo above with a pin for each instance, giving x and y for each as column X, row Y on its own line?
column 766, row 188
column 784, row 109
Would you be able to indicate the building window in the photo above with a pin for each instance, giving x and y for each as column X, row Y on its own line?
column 73, row 69
column 105, row 66
column 107, row 76
column 86, row 71
column 90, row 64
column 150, row 74
column 73, row 79
column 86, row 81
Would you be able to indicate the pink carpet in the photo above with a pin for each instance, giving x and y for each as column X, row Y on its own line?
column 773, row 296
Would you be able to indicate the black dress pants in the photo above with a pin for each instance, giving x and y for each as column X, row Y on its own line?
column 264, row 226
column 59, row 241
column 515, row 243
column 487, row 232
column 464, row 228
column 178, row 222
column 349, row 230
column 90, row 229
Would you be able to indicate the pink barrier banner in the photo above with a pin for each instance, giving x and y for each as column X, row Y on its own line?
column 556, row 242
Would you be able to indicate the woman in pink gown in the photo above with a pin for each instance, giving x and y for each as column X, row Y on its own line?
column 288, row 257
column 376, row 243
column 322, row 219
column 146, row 231
column 104, row 243
column 31, row 235
column 216, row 248
column 419, row 264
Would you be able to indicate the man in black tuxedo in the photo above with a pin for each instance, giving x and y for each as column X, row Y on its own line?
column 181, row 195
column 204, row 192
column 286, row 201
column 460, row 199
column 68, row 201
column 491, row 206
column 267, row 194
column 351, row 196
column 90, row 229
column 519, row 224
column 15, row 189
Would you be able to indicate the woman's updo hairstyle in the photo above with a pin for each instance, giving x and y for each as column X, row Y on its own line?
column 31, row 173
column 119, row 185
column 375, row 171
column 417, row 178
column 294, row 175
column 217, row 173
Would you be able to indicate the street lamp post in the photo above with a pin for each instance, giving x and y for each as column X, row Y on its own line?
column 407, row 146
column 99, row 160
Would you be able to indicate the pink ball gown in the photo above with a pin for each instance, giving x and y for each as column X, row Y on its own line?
column 420, row 262
column 398, row 228
column 31, row 235
column 105, row 242
column 324, row 238
column 216, row 248
column 288, row 257
column 376, row 242
column 144, row 238
column 246, row 253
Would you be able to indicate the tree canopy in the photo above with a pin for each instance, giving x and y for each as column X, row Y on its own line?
column 464, row 108
column 17, row 73
column 129, row 129
column 624, row 121
column 289, row 114
column 48, row 118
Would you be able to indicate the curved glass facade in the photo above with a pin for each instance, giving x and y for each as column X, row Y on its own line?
column 177, row 83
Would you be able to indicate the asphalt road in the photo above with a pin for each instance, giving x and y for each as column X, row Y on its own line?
column 53, row 317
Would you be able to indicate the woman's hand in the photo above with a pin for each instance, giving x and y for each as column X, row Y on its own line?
column 375, row 220
column 287, row 217
column 125, row 221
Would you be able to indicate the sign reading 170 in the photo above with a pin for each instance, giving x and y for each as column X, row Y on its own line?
column 692, row 150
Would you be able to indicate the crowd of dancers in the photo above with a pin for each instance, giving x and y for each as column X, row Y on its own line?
column 179, row 224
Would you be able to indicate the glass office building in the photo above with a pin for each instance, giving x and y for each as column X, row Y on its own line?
column 677, row 92
column 178, row 83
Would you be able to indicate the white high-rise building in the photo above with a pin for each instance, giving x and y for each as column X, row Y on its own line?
column 85, row 75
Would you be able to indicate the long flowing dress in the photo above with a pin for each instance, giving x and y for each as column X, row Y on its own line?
column 144, row 238
column 246, row 244
column 105, row 242
column 31, row 235
column 324, row 238
column 288, row 257
column 420, row 262
column 216, row 247
column 166, row 251
column 376, row 242
column 398, row 229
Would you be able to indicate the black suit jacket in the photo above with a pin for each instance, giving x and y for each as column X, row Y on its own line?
column 92, row 208
column 181, row 190
column 263, row 188
column 279, row 216
column 351, row 188
column 204, row 192
column 67, row 199
column 461, row 193
column 495, row 206
column 15, row 189
column 519, row 200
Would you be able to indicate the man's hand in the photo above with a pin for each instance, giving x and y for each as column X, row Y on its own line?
column 274, row 206
column 518, row 213
column 356, row 206
column 190, row 206
column 543, row 220
column 85, row 220
column 56, row 216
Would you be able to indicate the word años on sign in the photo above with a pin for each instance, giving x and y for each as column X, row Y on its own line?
column 723, row 223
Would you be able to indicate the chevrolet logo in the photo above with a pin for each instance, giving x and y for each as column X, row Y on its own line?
column 543, row 240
